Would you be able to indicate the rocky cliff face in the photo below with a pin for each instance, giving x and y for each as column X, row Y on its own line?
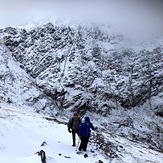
column 86, row 69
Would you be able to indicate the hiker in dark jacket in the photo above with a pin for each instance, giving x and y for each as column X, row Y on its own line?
column 85, row 132
column 73, row 127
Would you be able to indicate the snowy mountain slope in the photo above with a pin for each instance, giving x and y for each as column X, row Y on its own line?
column 12, row 78
column 16, row 85
column 23, row 132
column 89, row 69
column 75, row 58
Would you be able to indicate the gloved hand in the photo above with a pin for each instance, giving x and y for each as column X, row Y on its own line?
column 69, row 130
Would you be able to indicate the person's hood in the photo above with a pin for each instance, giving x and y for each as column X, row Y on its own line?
column 87, row 120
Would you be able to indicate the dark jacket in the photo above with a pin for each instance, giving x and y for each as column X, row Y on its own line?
column 74, row 123
column 85, row 128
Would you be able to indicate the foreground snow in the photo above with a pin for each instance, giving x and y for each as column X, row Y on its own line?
column 22, row 132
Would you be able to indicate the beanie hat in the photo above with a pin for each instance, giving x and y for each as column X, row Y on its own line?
column 87, row 120
column 75, row 114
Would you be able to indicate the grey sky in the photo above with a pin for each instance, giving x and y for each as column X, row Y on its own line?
column 17, row 12
column 20, row 12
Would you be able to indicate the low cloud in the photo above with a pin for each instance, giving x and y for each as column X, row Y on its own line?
column 131, row 14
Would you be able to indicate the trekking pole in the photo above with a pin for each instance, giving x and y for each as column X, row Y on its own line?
column 78, row 144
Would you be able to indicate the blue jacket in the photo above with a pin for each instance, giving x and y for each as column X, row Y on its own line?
column 85, row 128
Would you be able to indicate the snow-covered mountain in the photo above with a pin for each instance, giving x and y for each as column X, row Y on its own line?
column 57, row 69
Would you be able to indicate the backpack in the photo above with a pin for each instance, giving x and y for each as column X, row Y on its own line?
column 70, row 125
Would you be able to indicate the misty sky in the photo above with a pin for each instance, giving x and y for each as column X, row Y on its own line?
column 117, row 12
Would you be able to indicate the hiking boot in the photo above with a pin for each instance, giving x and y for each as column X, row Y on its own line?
column 73, row 145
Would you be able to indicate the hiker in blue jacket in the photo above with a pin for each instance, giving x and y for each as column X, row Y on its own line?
column 84, row 133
